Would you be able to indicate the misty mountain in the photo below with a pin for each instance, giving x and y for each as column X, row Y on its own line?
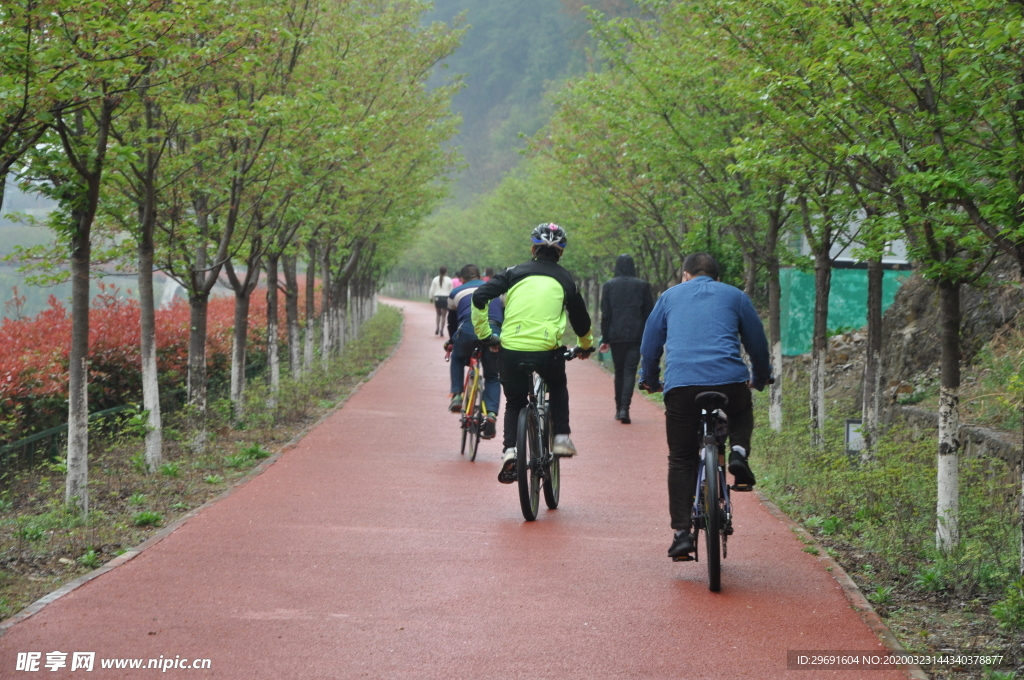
column 513, row 52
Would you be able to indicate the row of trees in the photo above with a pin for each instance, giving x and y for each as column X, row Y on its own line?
column 737, row 127
column 216, row 140
column 859, row 121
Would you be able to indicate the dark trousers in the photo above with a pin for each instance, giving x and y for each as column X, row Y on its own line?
column 517, row 383
column 462, row 349
column 682, row 425
column 626, row 357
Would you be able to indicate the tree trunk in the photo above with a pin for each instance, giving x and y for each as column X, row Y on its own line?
column 273, row 358
column 749, row 274
column 291, row 310
column 775, row 340
column 947, row 531
column 76, row 489
column 326, row 310
column 147, row 330
column 310, row 339
column 239, row 343
column 198, row 303
column 872, row 361
column 819, row 350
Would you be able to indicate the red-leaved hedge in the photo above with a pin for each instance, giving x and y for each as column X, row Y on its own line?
column 34, row 355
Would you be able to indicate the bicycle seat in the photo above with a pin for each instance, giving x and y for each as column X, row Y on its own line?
column 709, row 401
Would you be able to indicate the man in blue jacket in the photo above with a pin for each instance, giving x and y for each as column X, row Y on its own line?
column 700, row 324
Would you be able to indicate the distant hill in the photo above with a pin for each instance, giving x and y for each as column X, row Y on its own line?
column 513, row 52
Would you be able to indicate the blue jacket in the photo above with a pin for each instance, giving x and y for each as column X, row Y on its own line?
column 700, row 324
column 460, row 301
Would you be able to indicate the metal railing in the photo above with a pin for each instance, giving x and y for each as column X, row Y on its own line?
column 26, row 452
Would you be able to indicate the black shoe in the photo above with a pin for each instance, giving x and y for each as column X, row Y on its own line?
column 682, row 544
column 618, row 413
column 625, row 417
column 740, row 470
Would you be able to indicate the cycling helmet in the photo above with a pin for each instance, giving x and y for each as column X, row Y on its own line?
column 549, row 234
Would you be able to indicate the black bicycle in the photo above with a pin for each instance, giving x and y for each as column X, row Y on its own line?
column 536, row 466
column 712, row 508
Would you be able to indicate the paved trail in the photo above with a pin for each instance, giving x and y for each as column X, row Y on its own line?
column 372, row 549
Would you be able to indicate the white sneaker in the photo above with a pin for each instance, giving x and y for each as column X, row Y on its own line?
column 508, row 474
column 562, row 446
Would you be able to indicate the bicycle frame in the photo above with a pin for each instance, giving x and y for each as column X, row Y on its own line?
column 537, row 466
column 712, row 436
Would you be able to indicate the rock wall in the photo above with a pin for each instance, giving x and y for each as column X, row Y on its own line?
column 911, row 329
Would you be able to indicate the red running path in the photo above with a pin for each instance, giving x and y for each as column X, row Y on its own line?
column 373, row 550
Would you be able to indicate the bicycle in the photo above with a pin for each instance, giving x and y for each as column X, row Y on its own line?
column 536, row 466
column 471, row 418
column 712, row 508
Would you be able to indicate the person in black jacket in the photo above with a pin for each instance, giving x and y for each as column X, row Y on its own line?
column 626, row 302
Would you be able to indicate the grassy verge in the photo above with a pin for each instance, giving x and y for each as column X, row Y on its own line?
column 43, row 545
column 878, row 520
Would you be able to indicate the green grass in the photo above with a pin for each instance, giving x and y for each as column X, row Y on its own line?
column 886, row 508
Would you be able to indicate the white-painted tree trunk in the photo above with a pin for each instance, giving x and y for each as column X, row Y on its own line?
column 237, row 377
column 326, row 324
column 151, row 402
column 871, row 409
column 947, row 530
column 818, row 398
column 294, row 354
column 775, row 390
column 273, row 363
column 308, row 350
column 76, row 488
column 147, row 349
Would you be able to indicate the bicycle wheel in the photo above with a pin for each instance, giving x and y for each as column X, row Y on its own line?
column 477, row 423
column 467, row 410
column 712, row 518
column 527, row 467
column 552, row 480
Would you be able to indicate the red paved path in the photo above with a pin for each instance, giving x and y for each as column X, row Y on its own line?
column 372, row 549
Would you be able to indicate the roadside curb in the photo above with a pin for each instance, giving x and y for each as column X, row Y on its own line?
column 124, row 557
column 853, row 593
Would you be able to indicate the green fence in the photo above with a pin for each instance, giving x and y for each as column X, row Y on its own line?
column 847, row 305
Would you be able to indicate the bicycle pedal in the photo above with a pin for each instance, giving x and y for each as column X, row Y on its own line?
column 742, row 487
column 684, row 558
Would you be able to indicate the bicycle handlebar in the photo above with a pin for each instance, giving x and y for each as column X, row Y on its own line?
column 575, row 352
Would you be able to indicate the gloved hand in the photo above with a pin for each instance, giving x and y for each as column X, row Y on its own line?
column 448, row 346
column 492, row 340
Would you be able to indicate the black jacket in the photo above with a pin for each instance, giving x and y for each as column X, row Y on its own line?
column 626, row 302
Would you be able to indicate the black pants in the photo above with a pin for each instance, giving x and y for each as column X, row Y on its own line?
column 682, row 425
column 626, row 357
column 518, row 383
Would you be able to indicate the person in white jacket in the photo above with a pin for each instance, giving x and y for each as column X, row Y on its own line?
column 440, row 286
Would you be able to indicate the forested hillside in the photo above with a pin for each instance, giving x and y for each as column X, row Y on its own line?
column 511, row 55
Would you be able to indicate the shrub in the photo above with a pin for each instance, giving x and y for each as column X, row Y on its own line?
column 90, row 559
column 1010, row 611
column 34, row 363
column 147, row 519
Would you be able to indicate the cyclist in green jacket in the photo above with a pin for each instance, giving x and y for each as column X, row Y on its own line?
column 539, row 296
